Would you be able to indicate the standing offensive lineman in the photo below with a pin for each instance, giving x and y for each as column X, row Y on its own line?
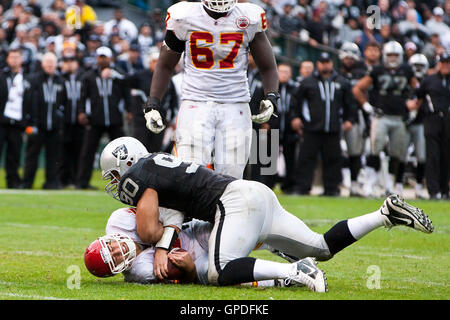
column 214, row 120
column 392, row 83
column 244, row 213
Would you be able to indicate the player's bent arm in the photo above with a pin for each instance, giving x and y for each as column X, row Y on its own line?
column 147, row 217
column 360, row 88
column 265, row 60
column 165, row 66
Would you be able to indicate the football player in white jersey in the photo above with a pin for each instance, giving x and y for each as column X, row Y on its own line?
column 214, row 124
column 129, row 255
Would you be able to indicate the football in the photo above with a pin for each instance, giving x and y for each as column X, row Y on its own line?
column 174, row 273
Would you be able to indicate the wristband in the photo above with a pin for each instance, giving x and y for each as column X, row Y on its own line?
column 169, row 236
column 152, row 104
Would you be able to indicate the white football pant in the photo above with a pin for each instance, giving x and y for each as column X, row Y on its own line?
column 250, row 215
column 214, row 133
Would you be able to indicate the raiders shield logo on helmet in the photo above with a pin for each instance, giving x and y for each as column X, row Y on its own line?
column 121, row 151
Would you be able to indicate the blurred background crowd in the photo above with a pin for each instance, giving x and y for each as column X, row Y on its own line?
column 86, row 66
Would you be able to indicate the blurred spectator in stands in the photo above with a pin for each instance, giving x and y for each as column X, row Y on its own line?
column 412, row 6
column 36, row 7
column 99, row 30
column 305, row 70
column 316, row 28
column 90, row 56
column 369, row 35
column 399, row 11
column 126, row 28
column 15, row 10
column 410, row 50
column 430, row 49
column 386, row 33
column 349, row 31
column 15, row 104
column 288, row 23
column 3, row 48
column 47, row 121
column 73, row 131
column 131, row 62
column 80, row 14
column 158, row 23
column 27, row 18
column 436, row 24
column 411, row 29
column 58, row 7
column 21, row 41
column 385, row 13
column 115, row 43
column 145, row 38
column 447, row 12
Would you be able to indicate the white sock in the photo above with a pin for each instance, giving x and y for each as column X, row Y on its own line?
column 266, row 270
column 362, row 225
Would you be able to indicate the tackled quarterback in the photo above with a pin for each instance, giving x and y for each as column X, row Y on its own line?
column 244, row 215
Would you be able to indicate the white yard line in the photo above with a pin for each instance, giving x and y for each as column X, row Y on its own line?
column 30, row 296
column 58, row 228
column 53, row 192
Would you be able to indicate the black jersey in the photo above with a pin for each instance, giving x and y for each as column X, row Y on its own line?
column 184, row 186
column 391, row 89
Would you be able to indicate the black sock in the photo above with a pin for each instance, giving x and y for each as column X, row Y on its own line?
column 338, row 237
column 237, row 271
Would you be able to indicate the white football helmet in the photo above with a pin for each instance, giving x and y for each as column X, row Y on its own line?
column 117, row 157
column 219, row 6
column 349, row 49
column 392, row 48
column 420, row 64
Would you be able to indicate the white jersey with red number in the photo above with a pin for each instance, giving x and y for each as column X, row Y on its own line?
column 193, row 238
column 216, row 51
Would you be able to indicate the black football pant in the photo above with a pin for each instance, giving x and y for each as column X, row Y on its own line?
column 290, row 153
column 73, row 142
column 327, row 146
column 11, row 137
column 91, row 141
column 152, row 141
column 52, row 141
column 437, row 139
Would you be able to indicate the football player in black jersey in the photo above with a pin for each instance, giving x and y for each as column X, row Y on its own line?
column 392, row 82
column 244, row 214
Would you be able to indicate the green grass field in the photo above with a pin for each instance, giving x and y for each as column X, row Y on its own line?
column 43, row 236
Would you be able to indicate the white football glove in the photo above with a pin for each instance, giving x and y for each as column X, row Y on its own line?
column 367, row 107
column 266, row 108
column 153, row 121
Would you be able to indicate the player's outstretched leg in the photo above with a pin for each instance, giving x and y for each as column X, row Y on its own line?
column 396, row 211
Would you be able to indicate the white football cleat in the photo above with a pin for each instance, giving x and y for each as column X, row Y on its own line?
column 396, row 212
column 305, row 272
